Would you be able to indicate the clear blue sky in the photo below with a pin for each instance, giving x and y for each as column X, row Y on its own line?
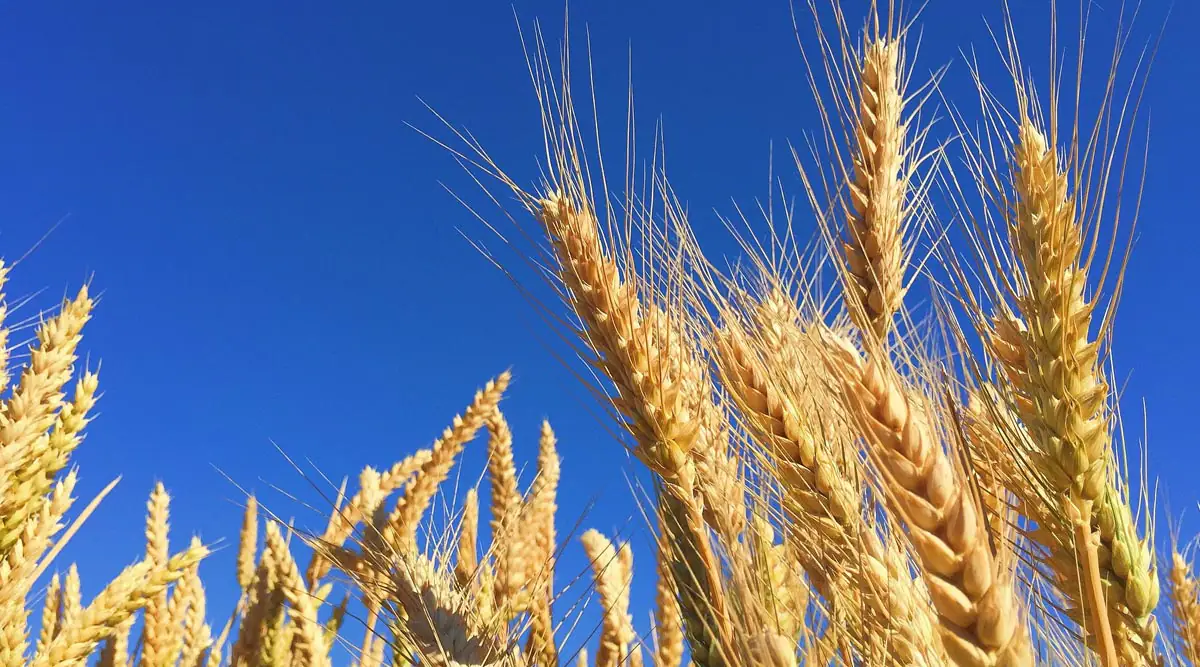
column 278, row 261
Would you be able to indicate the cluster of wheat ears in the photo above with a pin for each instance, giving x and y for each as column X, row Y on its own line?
column 836, row 476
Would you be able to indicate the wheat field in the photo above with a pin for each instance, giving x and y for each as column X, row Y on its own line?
column 891, row 440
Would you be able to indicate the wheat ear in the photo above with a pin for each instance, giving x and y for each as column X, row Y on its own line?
column 263, row 603
column 400, row 527
column 51, row 613
column 663, row 389
column 197, row 635
column 775, row 378
column 156, row 639
column 1125, row 560
column 874, row 247
column 1184, row 594
column 308, row 648
column 374, row 487
column 779, row 592
column 662, row 395
column 828, row 504
column 32, row 409
column 507, row 546
column 537, row 526
column 1062, row 400
column 247, row 545
column 1062, row 369
column 668, row 622
column 466, row 561
column 613, row 568
column 979, row 609
column 115, row 652
column 178, row 609
column 128, row 593
column 1062, row 386
column 441, row 624
column 19, row 566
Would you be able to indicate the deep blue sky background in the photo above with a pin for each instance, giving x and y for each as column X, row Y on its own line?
column 278, row 261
